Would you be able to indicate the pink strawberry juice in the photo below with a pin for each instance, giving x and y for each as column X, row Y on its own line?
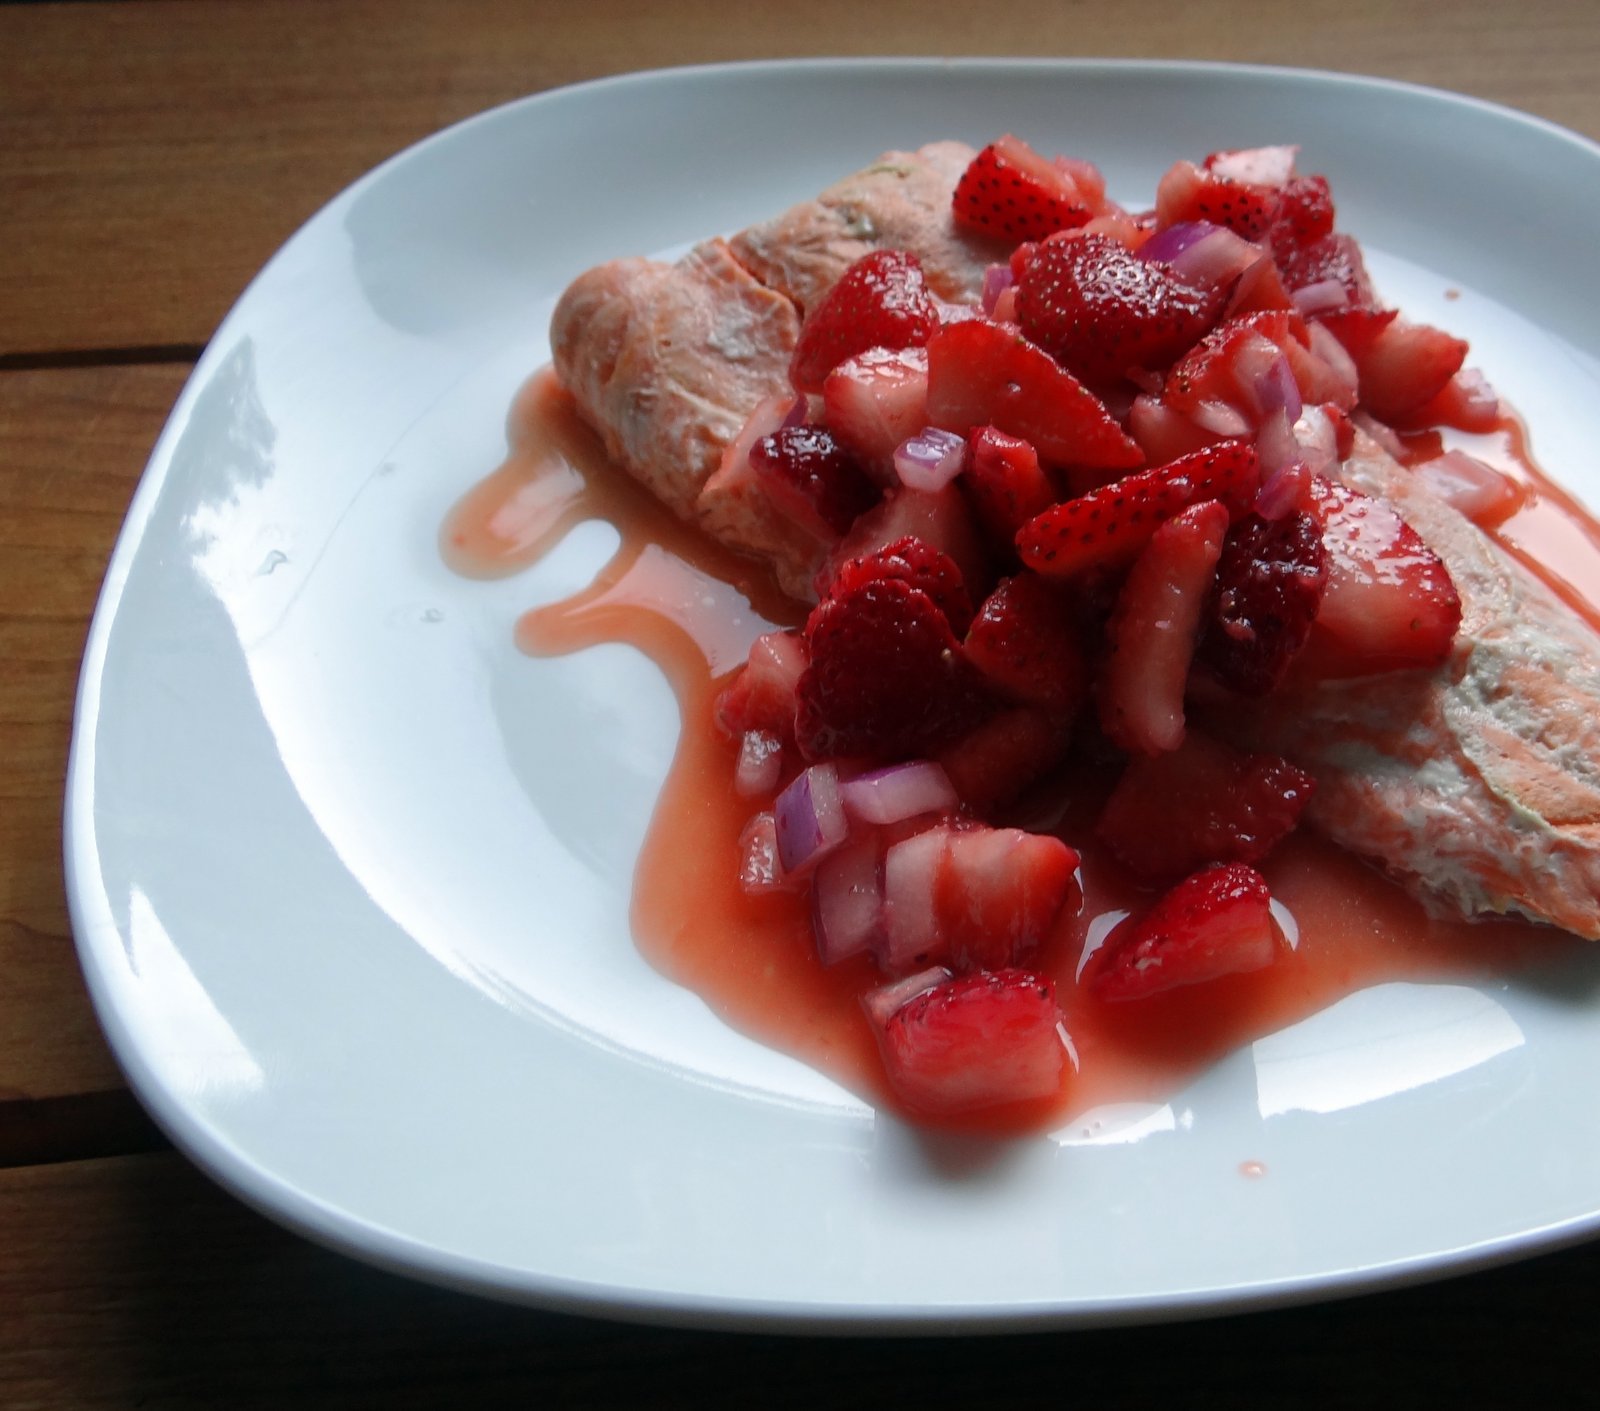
column 752, row 958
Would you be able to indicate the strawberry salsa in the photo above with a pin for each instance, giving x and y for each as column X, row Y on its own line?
column 1060, row 532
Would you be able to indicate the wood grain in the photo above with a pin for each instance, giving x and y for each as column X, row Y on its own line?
column 153, row 155
column 72, row 445
column 134, row 1282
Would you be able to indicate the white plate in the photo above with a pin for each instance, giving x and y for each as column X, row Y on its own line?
column 349, row 875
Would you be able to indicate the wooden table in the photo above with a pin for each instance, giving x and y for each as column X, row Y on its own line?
column 153, row 153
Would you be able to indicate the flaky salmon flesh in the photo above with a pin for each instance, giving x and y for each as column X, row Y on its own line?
column 667, row 362
column 1476, row 784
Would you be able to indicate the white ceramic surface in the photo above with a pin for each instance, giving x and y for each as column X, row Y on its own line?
column 349, row 875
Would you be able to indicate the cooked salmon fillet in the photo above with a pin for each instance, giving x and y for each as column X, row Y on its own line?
column 668, row 361
column 1476, row 783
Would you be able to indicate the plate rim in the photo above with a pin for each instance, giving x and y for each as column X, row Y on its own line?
column 346, row 1232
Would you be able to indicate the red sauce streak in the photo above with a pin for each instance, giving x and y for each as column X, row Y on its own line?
column 693, row 607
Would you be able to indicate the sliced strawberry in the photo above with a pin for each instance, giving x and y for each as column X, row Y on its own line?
column 1190, row 193
column 1270, row 582
column 812, row 479
column 1110, row 525
column 1215, row 370
column 998, row 893
column 937, row 517
column 1100, row 310
column 1010, row 191
column 1005, row 755
column 975, row 1042
column 886, row 678
column 1152, row 631
column 874, row 401
column 1006, row 483
column 762, row 695
column 1335, row 258
column 1404, row 366
column 984, row 374
column 921, row 565
column 1214, row 923
column 1026, row 642
column 1467, row 402
column 1164, row 434
column 881, row 301
column 1305, row 214
column 1204, row 802
column 1389, row 602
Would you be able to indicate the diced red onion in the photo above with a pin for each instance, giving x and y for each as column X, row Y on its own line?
column 930, row 460
column 910, row 875
column 798, row 414
column 759, row 868
column 1166, row 245
column 883, row 1003
column 1216, row 260
column 810, row 818
column 1276, row 390
column 996, row 280
column 1275, row 443
column 847, row 900
column 899, row 792
column 1284, row 490
column 1255, row 373
column 1321, row 297
column 1318, row 439
column 760, row 764
column 1220, row 419
column 1005, row 307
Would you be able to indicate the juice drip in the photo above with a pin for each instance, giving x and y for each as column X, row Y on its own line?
column 693, row 607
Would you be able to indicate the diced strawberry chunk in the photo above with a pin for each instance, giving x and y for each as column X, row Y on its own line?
column 975, row 1042
column 1389, row 602
column 921, row 565
column 762, row 695
column 1305, row 214
column 984, row 374
column 1466, row 401
column 1005, row 755
column 812, row 479
column 1109, row 526
column 886, row 679
column 1204, row 802
column 1485, row 495
column 1011, row 192
column 1270, row 582
column 881, row 301
column 874, row 401
column 1152, row 631
column 1217, row 922
column 1025, row 640
column 1189, row 193
column 1404, row 366
column 998, row 892
column 1216, row 369
column 1101, row 311
column 1335, row 258
column 1006, row 483
column 1164, row 434
column 937, row 517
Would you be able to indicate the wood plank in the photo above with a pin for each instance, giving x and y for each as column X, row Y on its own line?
column 135, row 1282
column 153, row 155
column 72, row 445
